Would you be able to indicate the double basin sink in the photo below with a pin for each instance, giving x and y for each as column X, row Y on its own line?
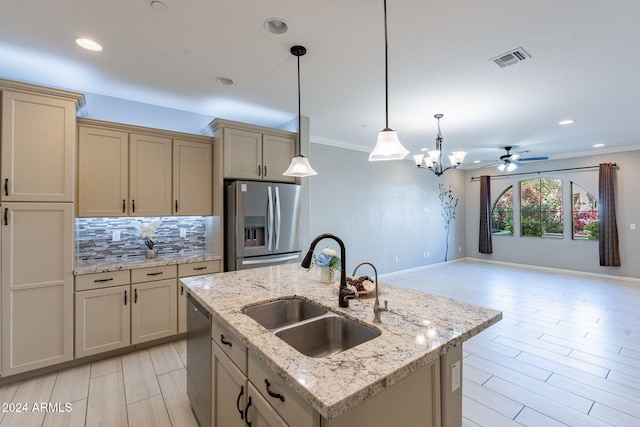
column 310, row 328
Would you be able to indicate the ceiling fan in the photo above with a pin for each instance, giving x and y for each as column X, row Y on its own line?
column 510, row 162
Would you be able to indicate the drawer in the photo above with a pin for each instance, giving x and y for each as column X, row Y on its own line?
column 197, row 268
column 230, row 345
column 87, row 282
column 149, row 274
column 291, row 407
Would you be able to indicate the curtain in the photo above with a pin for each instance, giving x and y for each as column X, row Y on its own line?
column 608, row 232
column 485, row 245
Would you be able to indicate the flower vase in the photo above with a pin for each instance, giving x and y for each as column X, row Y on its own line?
column 326, row 275
column 151, row 254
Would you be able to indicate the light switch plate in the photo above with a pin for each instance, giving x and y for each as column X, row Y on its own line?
column 183, row 232
column 116, row 236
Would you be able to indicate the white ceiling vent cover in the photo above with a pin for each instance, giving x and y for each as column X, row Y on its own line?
column 511, row 58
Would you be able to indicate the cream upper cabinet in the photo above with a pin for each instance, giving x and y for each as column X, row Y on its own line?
column 132, row 171
column 38, row 146
column 150, row 175
column 37, row 285
column 103, row 172
column 277, row 153
column 192, row 178
column 253, row 152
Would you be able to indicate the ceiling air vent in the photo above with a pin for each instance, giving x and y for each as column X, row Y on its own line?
column 511, row 58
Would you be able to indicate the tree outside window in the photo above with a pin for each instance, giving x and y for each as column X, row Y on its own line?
column 586, row 220
column 502, row 214
column 541, row 207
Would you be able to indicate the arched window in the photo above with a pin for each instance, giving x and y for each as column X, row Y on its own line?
column 502, row 214
column 585, row 218
column 541, row 207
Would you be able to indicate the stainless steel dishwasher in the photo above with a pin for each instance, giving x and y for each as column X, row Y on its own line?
column 199, row 360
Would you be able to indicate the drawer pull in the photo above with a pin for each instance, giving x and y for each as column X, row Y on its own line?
column 199, row 268
column 103, row 280
column 224, row 341
column 238, row 402
column 272, row 394
column 246, row 412
column 157, row 273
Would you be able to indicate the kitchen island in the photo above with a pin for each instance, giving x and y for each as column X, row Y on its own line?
column 421, row 338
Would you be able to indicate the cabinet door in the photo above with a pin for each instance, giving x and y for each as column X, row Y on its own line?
column 188, row 270
column 102, row 320
column 242, row 154
column 37, row 285
column 103, row 172
column 192, row 178
column 149, row 175
column 277, row 153
column 229, row 391
column 154, row 313
column 38, row 143
column 259, row 413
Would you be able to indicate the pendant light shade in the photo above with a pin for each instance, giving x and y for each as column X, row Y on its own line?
column 299, row 166
column 388, row 146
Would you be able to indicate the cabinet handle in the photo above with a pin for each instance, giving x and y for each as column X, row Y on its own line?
column 157, row 273
column 224, row 341
column 135, row 296
column 124, row 206
column 133, row 205
column 125, row 297
column 103, row 280
column 199, row 268
column 259, row 170
column 6, row 216
column 176, row 206
column 6, row 186
column 246, row 413
column 272, row 394
column 238, row 402
column 181, row 290
column 265, row 171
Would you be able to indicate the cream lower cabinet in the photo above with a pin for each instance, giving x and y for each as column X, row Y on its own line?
column 37, row 285
column 154, row 308
column 229, row 390
column 259, row 413
column 189, row 270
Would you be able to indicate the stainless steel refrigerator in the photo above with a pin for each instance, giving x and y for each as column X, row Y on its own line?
column 261, row 224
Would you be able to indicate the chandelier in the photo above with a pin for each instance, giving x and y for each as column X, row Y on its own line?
column 433, row 160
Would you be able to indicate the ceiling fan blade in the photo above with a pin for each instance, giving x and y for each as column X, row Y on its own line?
column 533, row 158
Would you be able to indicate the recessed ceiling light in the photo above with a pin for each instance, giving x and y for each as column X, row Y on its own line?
column 476, row 161
column 159, row 6
column 224, row 81
column 89, row 44
column 566, row 122
column 598, row 145
column 424, row 149
column 276, row 26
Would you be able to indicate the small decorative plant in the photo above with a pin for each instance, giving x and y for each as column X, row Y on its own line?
column 328, row 258
column 148, row 231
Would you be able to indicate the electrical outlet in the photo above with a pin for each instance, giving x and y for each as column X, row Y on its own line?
column 115, row 236
column 633, row 226
column 455, row 376
column 426, row 209
column 459, row 248
column 396, row 258
column 428, row 254
column 183, row 232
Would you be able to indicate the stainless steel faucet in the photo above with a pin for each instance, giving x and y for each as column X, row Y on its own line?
column 344, row 294
column 376, row 306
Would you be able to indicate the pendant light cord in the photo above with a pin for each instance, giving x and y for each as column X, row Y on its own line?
column 386, row 70
column 299, row 111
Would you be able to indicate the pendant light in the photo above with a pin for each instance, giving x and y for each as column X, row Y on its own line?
column 388, row 146
column 299, row 166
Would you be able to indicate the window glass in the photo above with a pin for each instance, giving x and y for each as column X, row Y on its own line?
column 541, row 207
column 586, row 221
column 502, row 214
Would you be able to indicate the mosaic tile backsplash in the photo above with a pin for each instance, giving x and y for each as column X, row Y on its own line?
column 95, row 237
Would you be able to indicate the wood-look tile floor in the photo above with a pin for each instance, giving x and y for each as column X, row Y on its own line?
column 567, row 352
column 146, row 388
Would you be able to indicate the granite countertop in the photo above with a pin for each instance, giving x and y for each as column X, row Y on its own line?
column 416, row 330
column 126, row 263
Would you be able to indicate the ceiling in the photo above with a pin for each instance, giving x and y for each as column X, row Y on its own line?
column 584, row 66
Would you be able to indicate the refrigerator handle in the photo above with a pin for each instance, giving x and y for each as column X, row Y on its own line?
column 277, row 218
column 269, row 219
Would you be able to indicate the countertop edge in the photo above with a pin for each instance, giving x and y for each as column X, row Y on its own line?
column 104, row 266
